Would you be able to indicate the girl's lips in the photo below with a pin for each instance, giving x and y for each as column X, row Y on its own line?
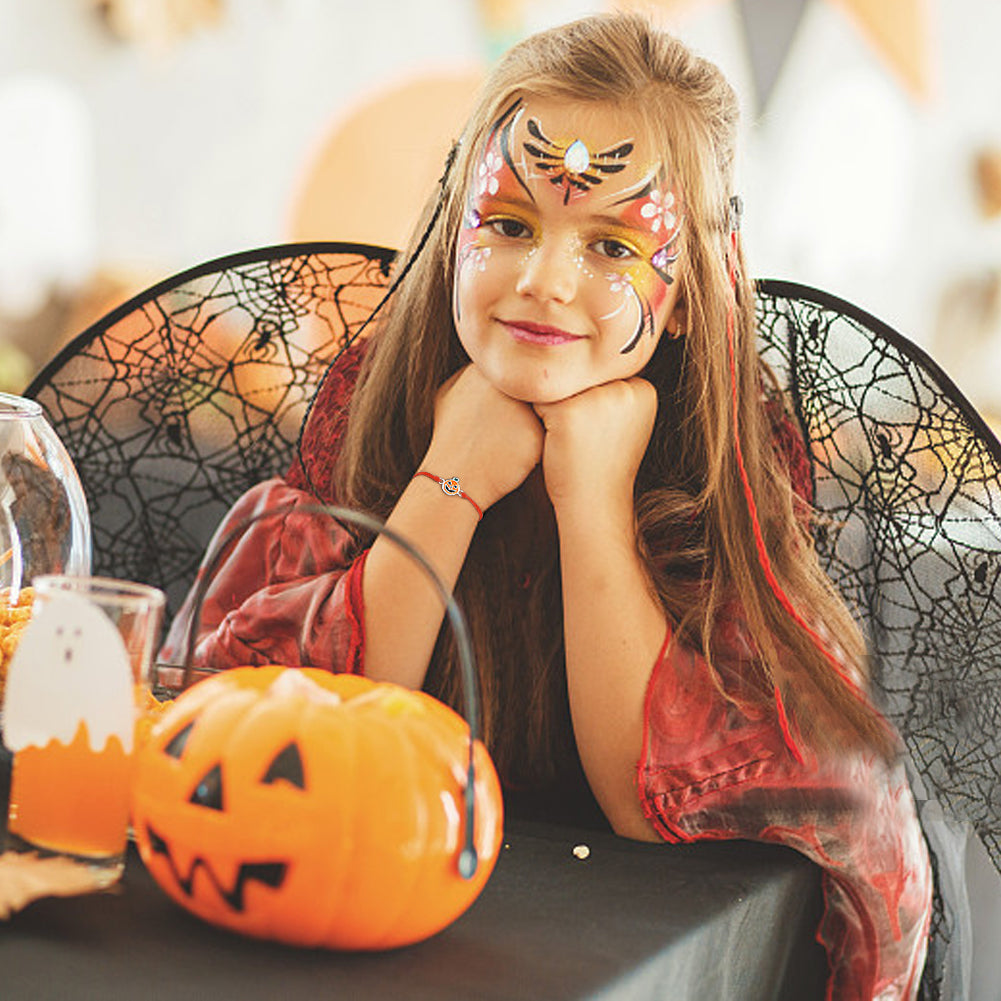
column 538, row 333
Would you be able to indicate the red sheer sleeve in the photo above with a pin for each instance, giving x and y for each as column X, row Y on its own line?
column 288, row 590
column 325, row 426
column 716, row 767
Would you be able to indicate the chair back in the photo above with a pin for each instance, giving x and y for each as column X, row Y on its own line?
column 908, row 482
column 181, row 399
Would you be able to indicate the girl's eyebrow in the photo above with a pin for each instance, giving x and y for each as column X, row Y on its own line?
column 503, row 202
column 644, row 187
column 615, row 222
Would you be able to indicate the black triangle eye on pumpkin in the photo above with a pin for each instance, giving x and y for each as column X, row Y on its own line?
column 286, row 765
column 175, row 746
column 209, row 791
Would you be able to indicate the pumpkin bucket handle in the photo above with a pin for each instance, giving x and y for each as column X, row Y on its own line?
column 467, row 861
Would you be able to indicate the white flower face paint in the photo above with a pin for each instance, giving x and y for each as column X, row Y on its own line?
column 486, row 174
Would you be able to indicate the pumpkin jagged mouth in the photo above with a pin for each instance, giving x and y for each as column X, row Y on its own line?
column 269, row 873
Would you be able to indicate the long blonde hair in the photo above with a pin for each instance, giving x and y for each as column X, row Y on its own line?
column 693, row 526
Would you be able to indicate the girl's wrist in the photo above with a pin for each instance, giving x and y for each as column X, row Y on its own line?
column 451, row 487
column 447, row 467
column 584, row 508
column 471, row 479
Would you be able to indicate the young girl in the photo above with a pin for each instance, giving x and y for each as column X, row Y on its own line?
column 563, row 407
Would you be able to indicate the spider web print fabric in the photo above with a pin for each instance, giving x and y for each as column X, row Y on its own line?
column 909, row 478
column 179, row 401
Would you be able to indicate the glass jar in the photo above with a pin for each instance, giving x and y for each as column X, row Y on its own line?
column 44, row 524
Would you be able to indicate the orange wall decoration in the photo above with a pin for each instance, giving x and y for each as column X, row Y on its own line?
column 381, row 162
column 899, row 32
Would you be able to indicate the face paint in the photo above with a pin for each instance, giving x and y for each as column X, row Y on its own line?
column 572, row 166
column 571, row 229
column 656, row 209
column 470, row 249
column 641, row 294
column 494, row 178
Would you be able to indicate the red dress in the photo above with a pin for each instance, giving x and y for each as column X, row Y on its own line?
column 289, row 592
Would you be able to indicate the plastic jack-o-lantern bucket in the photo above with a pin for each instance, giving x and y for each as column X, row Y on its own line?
column 319, row 809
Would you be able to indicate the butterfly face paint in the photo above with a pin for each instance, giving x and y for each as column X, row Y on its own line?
column 564, row 273
column 656, row 211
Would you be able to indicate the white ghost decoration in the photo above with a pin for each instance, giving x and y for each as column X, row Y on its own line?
column 71, row 666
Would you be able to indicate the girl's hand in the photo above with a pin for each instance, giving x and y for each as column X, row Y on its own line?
column 489, row 440
column 595, row 442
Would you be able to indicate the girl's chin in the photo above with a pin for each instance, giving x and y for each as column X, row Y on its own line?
column 535, row 390
column 552, row 395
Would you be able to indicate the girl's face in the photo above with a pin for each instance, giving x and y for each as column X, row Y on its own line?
column 564, row 270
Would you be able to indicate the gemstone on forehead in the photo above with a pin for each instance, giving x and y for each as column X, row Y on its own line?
column 576, row 159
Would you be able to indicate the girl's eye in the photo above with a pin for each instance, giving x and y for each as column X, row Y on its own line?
column 614, row 249
column 511, row 228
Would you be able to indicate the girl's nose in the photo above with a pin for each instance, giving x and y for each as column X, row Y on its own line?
column 549, row 272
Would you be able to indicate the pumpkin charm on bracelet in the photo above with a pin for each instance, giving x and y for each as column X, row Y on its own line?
column 313, row 808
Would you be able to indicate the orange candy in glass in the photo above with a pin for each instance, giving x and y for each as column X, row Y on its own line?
column 68, row 798
column 70, row 713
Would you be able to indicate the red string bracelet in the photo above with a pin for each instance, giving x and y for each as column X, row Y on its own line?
column 450, row 485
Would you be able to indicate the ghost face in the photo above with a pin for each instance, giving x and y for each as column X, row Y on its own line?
column 71, row 667
column 564, row 270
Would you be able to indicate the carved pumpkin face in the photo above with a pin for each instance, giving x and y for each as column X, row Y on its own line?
column 313, row 808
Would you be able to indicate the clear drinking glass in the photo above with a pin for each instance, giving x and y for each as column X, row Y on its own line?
column 135, row 610
column 77, row 680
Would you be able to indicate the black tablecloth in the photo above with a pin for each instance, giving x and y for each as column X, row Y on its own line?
column 631, row 921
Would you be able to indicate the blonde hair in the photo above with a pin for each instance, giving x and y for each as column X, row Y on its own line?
column 693, row 526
